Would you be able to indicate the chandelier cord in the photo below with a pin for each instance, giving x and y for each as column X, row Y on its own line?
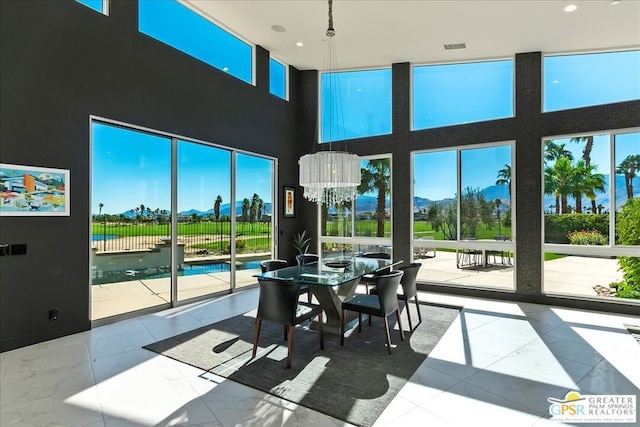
column 329, row 177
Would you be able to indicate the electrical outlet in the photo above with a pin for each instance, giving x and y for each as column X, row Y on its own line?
column 20, row 249
column 53, row 314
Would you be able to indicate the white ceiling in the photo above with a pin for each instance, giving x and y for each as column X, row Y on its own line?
column 381, row 32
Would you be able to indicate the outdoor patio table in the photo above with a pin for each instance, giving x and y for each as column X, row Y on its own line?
column 331, row 280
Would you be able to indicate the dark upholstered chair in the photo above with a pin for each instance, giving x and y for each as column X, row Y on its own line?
column 273, row 264
column 277, row 264
column 409, row 289
column 382, row 305
column 304, row 259
column 279, row 303
column 369, row 279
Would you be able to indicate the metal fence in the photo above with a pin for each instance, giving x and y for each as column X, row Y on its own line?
column 199, row 238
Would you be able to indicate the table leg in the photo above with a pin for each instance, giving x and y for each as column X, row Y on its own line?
column 331, row 301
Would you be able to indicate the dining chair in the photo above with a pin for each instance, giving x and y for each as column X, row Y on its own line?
column 382, row 305
column 408, row 290
column 278, row 302
column 273, row 264
column 304, row 259
column 370, row 278
column 277, row 264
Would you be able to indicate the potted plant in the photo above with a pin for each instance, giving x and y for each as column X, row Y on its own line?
column 301, row 242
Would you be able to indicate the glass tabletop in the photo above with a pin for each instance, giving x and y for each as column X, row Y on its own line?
column 331, row 271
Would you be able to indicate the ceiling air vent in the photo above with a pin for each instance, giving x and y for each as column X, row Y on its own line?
column 453, row 46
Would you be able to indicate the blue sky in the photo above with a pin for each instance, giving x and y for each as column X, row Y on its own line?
column 132, row 168
column 435, row 172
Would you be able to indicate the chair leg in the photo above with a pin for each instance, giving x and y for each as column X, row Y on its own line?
column 400, row 324
column 321, row 330
column 415, row 298
column 359, row 322
column 292, row 329
column 309, row 296
column 408, row 310
column 386, row 332
column 344, row 315
column 256, row 336
column 285, row 332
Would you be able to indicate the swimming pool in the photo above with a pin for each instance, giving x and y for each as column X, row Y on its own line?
column 162, row 272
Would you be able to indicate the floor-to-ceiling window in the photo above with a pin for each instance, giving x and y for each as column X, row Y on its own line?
column 130, row 204
column 462, row 215
column 364, row 223
column 254, row 195
column 203, row 222
column 148, row 228
column 591, row 215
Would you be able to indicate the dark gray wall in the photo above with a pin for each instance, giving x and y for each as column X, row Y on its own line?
column 62, row 62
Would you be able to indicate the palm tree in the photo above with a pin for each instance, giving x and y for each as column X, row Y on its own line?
column 376, row 176
column 586, row 151
column 253, row 209
column 216, row 207
column 629, row 166
column 562, row 179
column 553, row 151
column 261, row 207
column 594, row 182
column 100, row 206
column 246, row 206
column 504, row 178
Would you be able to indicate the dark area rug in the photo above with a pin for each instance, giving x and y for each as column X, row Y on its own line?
column 634, row 330
column 353, row 383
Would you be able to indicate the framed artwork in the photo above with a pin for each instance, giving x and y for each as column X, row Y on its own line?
column 289, row 202
column 33, row 191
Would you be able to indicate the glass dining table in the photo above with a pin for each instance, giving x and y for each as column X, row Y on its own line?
column 332, row 280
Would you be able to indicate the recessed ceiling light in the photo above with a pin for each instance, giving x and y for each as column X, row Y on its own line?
column 299, row 44
column 225, row 69
column 614, row 2
column 278, row 28
column 570, row 8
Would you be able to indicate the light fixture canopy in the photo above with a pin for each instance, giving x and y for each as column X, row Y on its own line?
column 330, row 177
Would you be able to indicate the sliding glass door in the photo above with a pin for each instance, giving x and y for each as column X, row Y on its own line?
column 203, row 222
column 254, row 224
column 165, row 207
column 130, row 203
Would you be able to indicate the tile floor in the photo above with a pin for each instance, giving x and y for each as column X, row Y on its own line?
column 496, row 365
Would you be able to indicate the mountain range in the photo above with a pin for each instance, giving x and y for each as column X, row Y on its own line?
column 365, row 204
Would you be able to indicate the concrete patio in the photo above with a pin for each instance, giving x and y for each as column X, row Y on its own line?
column 571, row 275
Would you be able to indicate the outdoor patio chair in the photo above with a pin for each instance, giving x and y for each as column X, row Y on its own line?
column 278, row 302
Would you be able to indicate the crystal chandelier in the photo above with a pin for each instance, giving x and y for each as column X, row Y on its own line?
column 330, row 177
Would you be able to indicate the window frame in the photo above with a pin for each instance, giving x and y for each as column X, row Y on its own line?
column 612, row 249
column 104, row 9
column 459, row 243
column 359, row 240
column 195, row 9
column 412, row 99
column 573, row 53
column 319, row 103
column 286, row 77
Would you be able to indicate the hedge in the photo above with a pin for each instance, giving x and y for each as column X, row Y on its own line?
column 558, row 227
